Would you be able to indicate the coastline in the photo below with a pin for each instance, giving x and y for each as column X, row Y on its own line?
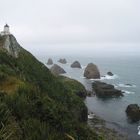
column 105, row 108
column 100, row 126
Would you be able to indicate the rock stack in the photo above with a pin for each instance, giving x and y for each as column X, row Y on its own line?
column 56, row 70
column 50, row 61
column 76, row 64
column 92, row 72
column 63, row 61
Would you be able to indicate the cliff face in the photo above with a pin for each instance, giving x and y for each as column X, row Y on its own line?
column 9, row 43
column 34, row 103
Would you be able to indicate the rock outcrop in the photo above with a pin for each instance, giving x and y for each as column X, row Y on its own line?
column 63, row 61
column 133, row 112
column 92, row 72
column 106, row 90
column 110, row 73
column 50, row 61
column 56, row 70
column 76, row 64
column 9, row 43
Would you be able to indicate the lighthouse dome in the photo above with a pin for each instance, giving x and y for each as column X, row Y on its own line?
column 6, row 30
column 6, row 25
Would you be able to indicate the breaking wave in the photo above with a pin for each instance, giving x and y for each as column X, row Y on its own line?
column 128, row 92
column 109, row 77
column 126, row 85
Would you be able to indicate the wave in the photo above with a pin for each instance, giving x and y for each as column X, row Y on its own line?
column 83, row 67
column 109, row 77
column 90, row 79
column 83, row 77
column 128, row 92
column 94, row 79
column 126, row 85
column 106, row 77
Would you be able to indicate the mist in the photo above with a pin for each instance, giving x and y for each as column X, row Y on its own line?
column 74, row 27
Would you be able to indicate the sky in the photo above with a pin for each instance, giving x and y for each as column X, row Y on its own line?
column 47, row 24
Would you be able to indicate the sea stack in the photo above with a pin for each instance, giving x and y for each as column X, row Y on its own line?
column 92, row 72
column 56, row 70
column 110, row 73
column 50, row 61
column 63, row 61
column 76, row 64
column 133, row 112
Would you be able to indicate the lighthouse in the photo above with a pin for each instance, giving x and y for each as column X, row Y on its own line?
column 6, row 30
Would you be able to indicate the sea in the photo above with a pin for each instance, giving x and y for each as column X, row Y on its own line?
column 126, row 70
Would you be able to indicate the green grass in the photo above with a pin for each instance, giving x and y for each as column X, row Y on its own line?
column 41, row 105
column 75, row 86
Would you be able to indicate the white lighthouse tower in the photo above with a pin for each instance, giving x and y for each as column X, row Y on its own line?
column 6, row 30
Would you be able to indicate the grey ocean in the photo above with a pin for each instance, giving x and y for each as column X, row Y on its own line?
column 127, row 71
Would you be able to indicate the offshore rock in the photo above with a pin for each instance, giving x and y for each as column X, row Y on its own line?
column 92, row 72
column 76, row 64
column 105, row 90
column 110, row 73
column 50, row 61
column 56, row 70
column 133, row 112
column 63, row 61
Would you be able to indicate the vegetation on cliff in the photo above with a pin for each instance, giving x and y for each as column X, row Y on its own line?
column 35, row 105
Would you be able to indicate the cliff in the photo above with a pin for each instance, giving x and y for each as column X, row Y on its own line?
column 9, row 43
column 35, row 105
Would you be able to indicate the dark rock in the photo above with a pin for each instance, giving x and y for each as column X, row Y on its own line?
column 81, row 94
column 76, row 64
column 110, row 73
column 50, row 61
column 83, row 114
column 92, row 72
column 133, row 112
column 129, row 85
column 106, row 90
column 90, row 93
column 56, row 70
column 63, row 61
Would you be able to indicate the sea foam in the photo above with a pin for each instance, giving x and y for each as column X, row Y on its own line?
column 109, row 77
column 106, row 77
column 128, row 92
column 126, row 85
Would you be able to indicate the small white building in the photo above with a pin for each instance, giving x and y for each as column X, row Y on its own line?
column 6, row 30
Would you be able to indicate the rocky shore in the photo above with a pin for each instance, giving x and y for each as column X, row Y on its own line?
column 100, row 126
column 102, row 90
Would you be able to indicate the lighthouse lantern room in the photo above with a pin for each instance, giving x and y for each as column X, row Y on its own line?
column 6, row 30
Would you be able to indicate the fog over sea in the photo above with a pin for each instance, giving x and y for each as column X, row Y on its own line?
column 122, row 60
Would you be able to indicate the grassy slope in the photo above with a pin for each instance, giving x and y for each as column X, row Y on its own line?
column 75, row 86
column 42, row 106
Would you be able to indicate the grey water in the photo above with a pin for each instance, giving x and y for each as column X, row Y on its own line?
column 126, row 69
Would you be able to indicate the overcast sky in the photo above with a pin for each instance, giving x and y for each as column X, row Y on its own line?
column 72, row 21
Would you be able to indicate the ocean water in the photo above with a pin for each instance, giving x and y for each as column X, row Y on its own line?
column 127, row 71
